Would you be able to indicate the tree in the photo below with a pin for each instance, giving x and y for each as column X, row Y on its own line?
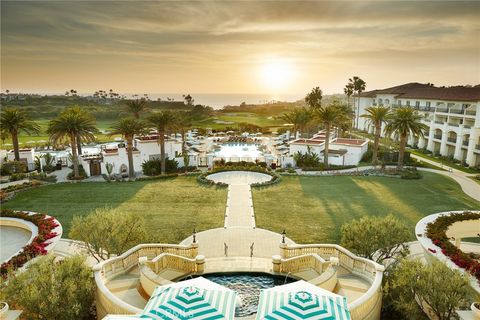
column 110, row 231
column 137, row 107
column 128, row 128
column 348, row 90
column 329, row 116
column 435, row 288
column 69, row 125
column 377, row 116
column 314, row 98
column 405, row 121
column 358, row 87
column 52, row 290
column 162, row 121
column 12, row 122
column 183, row 122
column 378, row 239
column 189, row 101
column 298, row 117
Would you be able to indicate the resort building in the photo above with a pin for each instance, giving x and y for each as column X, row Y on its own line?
column 342, row 151
column 451, row 113
column 27, row 156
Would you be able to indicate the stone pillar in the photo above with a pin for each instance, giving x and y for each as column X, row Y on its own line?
column 194, row 246
column 474, row 134
column 200, row 263
column 277, row 262
column 443, row 144
column 458, row 242
column 283, row 250
column 431, row 133
column 458, row 145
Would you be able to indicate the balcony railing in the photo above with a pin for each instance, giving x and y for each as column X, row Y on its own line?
column 465, row 143
column 437, row 136
column 454, row 124
column 471, row 112
column 477, row 146
column 439, row 109
column 456, row 111
column 453, row 140
column 439, row 122
column 467, row 126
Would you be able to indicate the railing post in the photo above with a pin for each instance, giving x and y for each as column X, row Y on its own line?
column 200, row 263
column 283, row 250
column 277, row 262
column 195, row 249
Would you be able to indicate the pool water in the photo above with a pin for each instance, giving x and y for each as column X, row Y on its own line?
column 247, row 286
column 238, row 150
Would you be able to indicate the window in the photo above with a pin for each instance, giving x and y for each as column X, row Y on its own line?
column 399, row 102
column 428, row 103
column 408, row 103
column 417, row 104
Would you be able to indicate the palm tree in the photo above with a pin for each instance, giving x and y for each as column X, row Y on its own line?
column 314, row 98
column 405, row 121
column 298, row 117
column 358, row 87
column 12, row 122
column 162, row 121
column 329, row 116
column 70, row 124
column 348, row 90
column 136, row 107
column 128, row 128
column 377, row 116
column 183, row 122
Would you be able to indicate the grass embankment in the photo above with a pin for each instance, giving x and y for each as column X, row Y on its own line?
column 172, row 207
column 313, row 209
column 444, row 162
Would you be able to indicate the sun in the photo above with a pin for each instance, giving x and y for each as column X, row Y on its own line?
column 276, row 74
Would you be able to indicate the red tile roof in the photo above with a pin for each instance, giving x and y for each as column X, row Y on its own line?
column 307, row 141
column 427, row 91
column 357, row 142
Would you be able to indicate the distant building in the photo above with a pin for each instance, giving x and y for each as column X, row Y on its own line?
column 451, row 113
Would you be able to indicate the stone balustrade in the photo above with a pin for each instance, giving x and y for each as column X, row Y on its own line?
column 106, row 301
column 366, row 307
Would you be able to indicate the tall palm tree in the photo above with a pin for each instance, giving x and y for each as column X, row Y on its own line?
column 405, row 121
column 183, row 122
column 298, row 117
column 12, row 122
column 70, row 124
column 136, row 107
column 329, row 116
column 358, row 87
column 377, row 116
column 348, row 90
column 314, row 98
column 162, row 121
column 128, row 128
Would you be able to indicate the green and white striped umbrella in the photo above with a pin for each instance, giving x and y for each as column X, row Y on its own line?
column 197, row 298
column 301, row 300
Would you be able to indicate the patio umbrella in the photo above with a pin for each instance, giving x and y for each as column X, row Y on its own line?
column 197, row 298
column 301, row 300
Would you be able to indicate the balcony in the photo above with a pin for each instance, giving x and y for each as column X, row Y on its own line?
column 440, row 109
column 437, row 136
column 455, row 111
column 467, row 126
column 465, row 143
column 454, row 124
column 477, row 146
column 430, row 109
column 471, row 112
column 439, row 122
column 452, row 140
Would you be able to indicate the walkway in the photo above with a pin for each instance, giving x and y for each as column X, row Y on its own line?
column 239, row 237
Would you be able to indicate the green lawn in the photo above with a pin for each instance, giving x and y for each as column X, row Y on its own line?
column 171, row 207
column 312, row 209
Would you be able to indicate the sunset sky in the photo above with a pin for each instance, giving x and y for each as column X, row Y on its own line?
column 235, row 47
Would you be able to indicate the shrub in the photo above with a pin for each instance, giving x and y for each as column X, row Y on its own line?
column 110, row 231
column 81, row 173
column 308, row 159
column 13, row 167
column 42, row 177
column 153, row 167
column 25, row 185
column 52, row 290
column 410, row 173
column 17, row 176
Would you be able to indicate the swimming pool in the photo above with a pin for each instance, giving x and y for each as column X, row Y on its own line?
column 238, row 150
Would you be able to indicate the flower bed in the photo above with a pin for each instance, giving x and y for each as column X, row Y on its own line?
column 202, row 178
column 9, row 192
column 46, row 226
column 436, row 231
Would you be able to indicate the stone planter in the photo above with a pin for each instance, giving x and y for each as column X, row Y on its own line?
column 475, row 307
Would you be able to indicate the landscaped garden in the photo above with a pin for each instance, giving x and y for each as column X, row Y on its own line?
column 172, row 207
column 312, row 209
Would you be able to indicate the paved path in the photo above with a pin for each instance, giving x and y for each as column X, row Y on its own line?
column 239, row 237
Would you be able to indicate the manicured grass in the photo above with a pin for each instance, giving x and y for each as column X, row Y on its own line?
column 313, row 209
column 172, row 208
